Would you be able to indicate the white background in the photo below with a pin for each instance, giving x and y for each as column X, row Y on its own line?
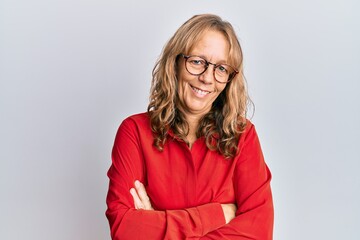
column 71, row 71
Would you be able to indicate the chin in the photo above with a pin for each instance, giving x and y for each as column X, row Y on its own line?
column 198, row 108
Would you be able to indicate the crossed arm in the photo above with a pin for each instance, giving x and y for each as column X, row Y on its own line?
column 142, row 201
column 131, row 214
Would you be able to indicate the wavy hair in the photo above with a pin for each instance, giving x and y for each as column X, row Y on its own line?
column 224, row 123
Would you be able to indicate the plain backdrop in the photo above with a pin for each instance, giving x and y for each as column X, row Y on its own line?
column 71, row 71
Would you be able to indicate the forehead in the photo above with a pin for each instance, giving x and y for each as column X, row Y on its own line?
column 211, row 45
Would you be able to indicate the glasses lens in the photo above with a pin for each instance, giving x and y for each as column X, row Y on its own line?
column 222, row 72
column 196, row 65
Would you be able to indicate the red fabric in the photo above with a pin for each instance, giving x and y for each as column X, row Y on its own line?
column 186, row 187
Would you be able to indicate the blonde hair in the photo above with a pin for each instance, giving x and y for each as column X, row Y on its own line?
column 226, row 120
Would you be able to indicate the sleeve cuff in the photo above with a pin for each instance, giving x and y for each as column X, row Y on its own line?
column 211, row 216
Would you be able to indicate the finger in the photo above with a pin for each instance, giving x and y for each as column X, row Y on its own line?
column 141, row 191
column 137, row 202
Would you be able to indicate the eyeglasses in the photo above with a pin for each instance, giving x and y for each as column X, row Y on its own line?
column 196, row 66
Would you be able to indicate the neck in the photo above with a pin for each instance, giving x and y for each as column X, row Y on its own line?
column 193, row 122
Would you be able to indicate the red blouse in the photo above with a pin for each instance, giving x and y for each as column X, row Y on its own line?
column 186, row 187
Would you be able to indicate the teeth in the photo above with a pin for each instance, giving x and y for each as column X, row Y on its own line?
column 200, row 91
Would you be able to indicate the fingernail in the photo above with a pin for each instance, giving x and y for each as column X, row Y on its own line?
column 137, row 183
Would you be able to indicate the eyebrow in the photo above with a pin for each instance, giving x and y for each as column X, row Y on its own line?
column 202, row 56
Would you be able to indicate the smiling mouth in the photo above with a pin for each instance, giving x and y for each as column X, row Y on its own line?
column 199, row 91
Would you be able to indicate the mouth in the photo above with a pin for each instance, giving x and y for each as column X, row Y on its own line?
column 199, row 91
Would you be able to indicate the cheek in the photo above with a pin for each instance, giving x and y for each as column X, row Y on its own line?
column 181, row 76
column 181, row 84
column 184, row 79
column 220, row 87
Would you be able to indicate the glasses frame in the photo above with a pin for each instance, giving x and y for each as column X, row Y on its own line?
column 207, row 63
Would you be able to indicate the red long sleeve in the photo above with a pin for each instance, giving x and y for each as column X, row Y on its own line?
column 254, row 217
column 186, row 188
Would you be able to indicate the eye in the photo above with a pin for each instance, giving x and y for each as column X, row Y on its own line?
column 197, row 61
column 222, row 69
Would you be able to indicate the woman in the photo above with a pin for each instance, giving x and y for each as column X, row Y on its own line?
column 192, row 166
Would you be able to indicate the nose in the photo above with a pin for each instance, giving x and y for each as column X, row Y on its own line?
column 208, row 76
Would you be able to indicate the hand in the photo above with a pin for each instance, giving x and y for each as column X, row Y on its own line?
column 141, row 199
column 229, row 211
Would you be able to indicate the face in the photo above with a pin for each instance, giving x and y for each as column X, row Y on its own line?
column 197, row 93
